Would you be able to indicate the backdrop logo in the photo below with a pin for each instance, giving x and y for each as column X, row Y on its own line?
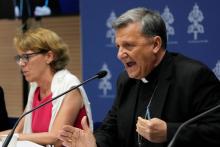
column 196, row 18
column 216, row 69
column 169, row 20
column 110, row 34
column 105, row 85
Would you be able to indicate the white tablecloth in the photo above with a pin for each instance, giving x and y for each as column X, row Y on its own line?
column 25, row 144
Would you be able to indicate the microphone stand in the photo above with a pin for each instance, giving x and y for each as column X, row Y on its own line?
column 99, row 75
column 190, row 121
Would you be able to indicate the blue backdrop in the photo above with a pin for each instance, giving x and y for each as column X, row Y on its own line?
column 192, row 29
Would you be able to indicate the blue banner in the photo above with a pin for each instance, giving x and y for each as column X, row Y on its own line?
column 191, row 30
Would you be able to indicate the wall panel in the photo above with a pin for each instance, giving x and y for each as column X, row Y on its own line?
column 67, row 27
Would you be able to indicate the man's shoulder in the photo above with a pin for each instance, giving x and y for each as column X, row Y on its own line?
column 187, row 68
column 186, row 63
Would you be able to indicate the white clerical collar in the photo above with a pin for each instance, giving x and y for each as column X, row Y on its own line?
column 144, row 80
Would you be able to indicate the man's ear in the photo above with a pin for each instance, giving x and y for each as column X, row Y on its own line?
column 157, row 44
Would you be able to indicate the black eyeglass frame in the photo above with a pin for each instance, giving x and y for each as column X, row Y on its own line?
column 26, row 57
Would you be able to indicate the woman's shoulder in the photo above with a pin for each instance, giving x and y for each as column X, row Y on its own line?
column 65, row 75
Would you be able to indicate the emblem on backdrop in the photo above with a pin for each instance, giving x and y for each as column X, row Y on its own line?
column 216, row 69
column 196, row 27
column 110, row 34
column 169, row 20
column 105, row 84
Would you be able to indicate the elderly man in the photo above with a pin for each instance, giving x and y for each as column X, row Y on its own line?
column 156, row 93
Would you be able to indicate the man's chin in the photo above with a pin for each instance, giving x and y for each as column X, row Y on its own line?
column 133, row 76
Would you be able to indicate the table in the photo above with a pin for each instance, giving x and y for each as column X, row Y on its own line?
column 25, row 144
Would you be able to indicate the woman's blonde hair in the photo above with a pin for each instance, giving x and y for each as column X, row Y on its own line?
column 44, row 40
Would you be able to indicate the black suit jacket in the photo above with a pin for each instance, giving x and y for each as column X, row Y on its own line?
column 185, row 89
column 4, row 123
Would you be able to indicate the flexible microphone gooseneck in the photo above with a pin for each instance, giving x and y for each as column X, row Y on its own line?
column 99, row 75
column 190, row 121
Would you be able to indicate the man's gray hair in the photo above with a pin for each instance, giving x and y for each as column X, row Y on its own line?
column 151, row 22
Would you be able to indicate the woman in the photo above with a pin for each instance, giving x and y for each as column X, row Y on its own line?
column 42, row 56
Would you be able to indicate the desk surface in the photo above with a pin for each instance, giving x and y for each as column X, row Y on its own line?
column 25, row 144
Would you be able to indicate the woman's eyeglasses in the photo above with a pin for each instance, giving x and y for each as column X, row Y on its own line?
column 26, row 57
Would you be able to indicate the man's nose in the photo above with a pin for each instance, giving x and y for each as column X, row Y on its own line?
column 122, row 53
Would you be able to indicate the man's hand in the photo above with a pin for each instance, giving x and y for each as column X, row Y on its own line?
column 154, row 130
column 75, row 137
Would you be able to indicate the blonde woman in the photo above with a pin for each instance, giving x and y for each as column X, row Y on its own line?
column 42, row 57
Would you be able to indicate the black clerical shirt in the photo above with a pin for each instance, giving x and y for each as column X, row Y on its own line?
column 146, row 89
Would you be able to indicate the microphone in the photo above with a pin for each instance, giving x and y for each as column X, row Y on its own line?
column 190, row 121
column 99, row 75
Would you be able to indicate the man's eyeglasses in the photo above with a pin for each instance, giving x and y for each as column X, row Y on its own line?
column 26, row 57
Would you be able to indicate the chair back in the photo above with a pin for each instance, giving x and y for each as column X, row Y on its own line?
column 4, row 121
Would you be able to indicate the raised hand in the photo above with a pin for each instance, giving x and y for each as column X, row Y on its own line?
column 75, row 137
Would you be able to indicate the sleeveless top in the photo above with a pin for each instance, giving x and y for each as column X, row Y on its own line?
column 41, row 117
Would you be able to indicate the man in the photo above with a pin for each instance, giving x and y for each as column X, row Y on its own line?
column 157, row 93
